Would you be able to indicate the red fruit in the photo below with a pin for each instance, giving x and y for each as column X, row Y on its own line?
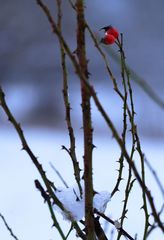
column 108, row 39
column 112, row 31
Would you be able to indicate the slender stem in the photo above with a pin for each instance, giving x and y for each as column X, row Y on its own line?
column 71, row 151
column 121, row 159
column 48, row 201
column 129, row 183
column 8, row 228
column 135, row 138
column 123, row 232
column 145, row 207
column 147, row 163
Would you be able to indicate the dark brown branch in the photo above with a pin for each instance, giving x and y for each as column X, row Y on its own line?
column 99, row 231
column 87, row 122
column 42, row 191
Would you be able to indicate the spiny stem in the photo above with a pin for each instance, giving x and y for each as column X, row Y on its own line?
column 71, row 151
column 87, row 122
column 123, row 232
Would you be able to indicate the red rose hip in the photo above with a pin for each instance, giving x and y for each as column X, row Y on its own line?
column 108, row 39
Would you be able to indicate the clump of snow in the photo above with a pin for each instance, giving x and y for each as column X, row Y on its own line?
column 70, row 198
column 101, row 200
column 74, row 204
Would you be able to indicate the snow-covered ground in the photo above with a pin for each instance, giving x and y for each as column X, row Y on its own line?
column 22, row 204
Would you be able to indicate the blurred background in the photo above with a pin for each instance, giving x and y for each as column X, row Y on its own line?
column 31, row 78
column 30, row 66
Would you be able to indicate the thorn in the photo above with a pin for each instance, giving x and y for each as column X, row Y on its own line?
column 93, row 146
column 75, row 51
column 105, row 28
column 53, row 225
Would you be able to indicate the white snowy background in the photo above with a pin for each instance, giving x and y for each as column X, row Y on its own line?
column 22, row 204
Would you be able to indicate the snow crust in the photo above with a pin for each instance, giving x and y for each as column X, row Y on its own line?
column 74, row 203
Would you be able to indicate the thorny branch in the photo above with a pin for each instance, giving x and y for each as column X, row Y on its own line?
column 87, row 120
column 71, row 151
column 49, row 185
column 125, row 80
column 123, row 232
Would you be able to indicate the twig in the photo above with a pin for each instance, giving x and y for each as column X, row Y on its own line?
column 70, row 230
column 155, row 176
column 140, row 81
column 59, row 175
column 145, row 207
column 125, row 79
column 121, row 159
column 123, row 232
column 135, row 140
column 154, row 225
column 72, row 4
column 71, row 151
column 47, row 199
column 99, row 231
column 8, row 228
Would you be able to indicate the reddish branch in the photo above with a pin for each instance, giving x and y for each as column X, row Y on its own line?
column 87, row 124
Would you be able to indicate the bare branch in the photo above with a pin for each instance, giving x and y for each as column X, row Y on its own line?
column 123, row 232
column 71, row 151
column 8, row 228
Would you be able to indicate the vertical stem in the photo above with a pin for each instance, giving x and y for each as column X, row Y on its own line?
column 87, row 124
column 72, row 151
